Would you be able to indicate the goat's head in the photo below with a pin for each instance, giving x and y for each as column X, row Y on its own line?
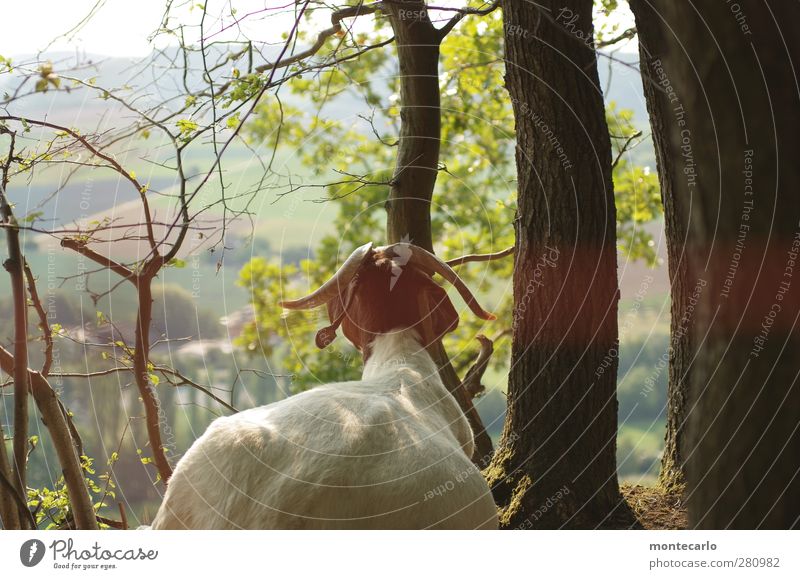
column 377, row 290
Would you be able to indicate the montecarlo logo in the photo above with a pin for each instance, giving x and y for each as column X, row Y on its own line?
column 66, row 555
column 31, row 552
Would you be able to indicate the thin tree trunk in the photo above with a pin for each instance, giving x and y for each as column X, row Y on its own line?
column 408, row 206
column 8, row 509
column 677, row 213
column 735, row 140
column 556, row 465
column 141, row 359
column 14, row 266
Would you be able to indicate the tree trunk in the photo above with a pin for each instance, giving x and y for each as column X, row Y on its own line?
column 677, row 213
column 733, row 136
column 409, row 204
column 9, row 513
column 14, row 266
column 408, row 207
column 141, row 361
column 556, row 465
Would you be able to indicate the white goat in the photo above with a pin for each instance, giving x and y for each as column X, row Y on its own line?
column 389, row 451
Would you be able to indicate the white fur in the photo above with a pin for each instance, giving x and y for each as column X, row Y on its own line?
column 387, row 452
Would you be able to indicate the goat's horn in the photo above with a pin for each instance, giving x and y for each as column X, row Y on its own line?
column 334, row 286
column 431, row 264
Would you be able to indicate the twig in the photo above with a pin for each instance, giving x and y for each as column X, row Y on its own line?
column 624, row 147
column 626, row 35
column 113, row 163
column 460, row 13
column 188, row 382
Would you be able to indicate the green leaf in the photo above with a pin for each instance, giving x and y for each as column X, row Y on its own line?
column 186, row 127
column 233, row 121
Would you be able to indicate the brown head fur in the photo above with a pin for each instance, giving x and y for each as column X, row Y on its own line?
column 377, row 306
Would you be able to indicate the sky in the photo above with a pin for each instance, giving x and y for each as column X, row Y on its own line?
column 122, row 27
column 118, row 28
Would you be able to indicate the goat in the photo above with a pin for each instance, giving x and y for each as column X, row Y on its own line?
column 390, row 451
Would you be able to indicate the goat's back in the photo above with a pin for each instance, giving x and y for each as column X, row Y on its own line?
column 384, row 453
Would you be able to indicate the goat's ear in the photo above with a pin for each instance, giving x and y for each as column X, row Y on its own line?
column 336, row 311
column 335, row 308
column 439, row 316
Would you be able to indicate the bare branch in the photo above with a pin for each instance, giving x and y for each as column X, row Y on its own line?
column 625, row 35
column 81, row 247
column 127, row 175
column 336, row 26
column 183, row 380
column 625, row 146
column 47, row 334
column 480, row 257
column 460, row 13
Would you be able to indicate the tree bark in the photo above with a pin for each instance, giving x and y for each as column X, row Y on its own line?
column 409, row 204
column 677, row 213
column 556, row 465
column 732, row 133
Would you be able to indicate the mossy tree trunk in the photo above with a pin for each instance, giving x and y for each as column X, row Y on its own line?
column 556, row 465
column 732, row 137
column 677, row 213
